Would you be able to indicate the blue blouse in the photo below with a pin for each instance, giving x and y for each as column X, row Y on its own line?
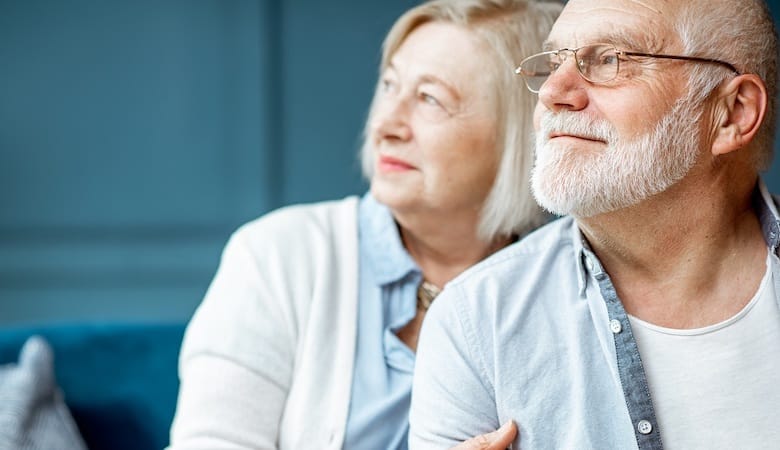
column 382, row 378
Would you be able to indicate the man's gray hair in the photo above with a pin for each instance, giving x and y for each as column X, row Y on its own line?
column 742, row 34
column 513, row 30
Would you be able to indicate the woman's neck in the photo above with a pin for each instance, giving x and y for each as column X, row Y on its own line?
column 444, row 254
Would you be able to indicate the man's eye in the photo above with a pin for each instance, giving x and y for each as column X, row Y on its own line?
column 608, row 59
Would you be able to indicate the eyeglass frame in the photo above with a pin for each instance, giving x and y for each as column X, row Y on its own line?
column 618, row 52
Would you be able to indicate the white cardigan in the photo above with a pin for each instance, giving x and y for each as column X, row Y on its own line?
column 267, row 358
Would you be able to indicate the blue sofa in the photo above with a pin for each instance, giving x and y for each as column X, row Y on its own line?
column 119, row 380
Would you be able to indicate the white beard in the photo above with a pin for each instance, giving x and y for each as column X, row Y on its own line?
column 566, row 180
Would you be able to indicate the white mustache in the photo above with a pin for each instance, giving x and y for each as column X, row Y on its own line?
column 576, row 124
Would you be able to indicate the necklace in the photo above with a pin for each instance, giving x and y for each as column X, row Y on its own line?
column 426, row 293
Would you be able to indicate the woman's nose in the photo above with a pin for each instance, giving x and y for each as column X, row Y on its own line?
column 391, row 118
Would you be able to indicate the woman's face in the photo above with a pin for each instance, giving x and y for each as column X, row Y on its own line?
column 433, row 126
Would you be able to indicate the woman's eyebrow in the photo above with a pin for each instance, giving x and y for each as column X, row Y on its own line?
column 433, row 79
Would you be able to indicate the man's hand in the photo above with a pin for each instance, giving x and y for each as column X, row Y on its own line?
column 496, row 440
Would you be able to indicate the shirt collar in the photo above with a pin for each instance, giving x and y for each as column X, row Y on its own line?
column 380, row 243
column 585, row 257
column 763, row 201
column 766, row 208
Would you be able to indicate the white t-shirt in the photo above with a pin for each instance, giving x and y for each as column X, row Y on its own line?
column 717, row 387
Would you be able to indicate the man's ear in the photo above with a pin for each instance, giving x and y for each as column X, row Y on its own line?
column 739, row 112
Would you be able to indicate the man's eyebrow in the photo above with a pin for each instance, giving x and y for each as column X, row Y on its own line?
column 620, row 39
column 626, row 41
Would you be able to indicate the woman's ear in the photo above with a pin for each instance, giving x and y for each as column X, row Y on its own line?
column 739, row 112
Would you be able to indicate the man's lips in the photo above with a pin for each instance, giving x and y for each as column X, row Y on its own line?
column 388, row 163
column 558, row 134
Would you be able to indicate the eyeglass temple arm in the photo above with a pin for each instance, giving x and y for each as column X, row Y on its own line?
column 520, row 71
column 684, row 58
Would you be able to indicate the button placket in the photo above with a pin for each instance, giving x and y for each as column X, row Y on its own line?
column 629, row 365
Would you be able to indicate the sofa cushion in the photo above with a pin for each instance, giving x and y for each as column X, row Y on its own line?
column 33, row 415
column 119, row 380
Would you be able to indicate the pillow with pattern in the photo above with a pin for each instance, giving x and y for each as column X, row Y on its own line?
column 33, row 414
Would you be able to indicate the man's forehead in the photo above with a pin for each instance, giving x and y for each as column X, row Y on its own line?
column 631, row 24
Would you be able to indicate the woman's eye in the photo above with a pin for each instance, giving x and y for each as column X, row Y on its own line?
column 387, row 85
column 429, row 99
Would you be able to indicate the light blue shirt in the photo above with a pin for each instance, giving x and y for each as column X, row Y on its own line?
column 537, row 334
column 382, row 380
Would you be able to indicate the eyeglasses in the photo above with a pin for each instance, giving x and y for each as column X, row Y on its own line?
column 597, row 63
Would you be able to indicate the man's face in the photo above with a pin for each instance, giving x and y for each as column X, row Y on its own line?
column 602, row 147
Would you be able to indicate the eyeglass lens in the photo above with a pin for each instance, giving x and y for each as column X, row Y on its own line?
column 596, row 63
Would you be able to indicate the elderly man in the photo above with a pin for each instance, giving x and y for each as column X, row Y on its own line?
column 649, row 317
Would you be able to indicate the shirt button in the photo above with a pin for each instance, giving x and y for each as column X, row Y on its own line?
column 644, row 427
column 615, row 326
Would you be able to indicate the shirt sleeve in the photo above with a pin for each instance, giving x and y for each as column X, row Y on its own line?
column 452, row 395
column 236, row 361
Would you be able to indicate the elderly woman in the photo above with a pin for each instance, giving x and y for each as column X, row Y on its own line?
column 307, row 335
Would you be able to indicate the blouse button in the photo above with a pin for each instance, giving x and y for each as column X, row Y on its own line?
column 615, row 326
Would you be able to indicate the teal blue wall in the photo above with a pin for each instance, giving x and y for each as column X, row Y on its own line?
column 135, row 136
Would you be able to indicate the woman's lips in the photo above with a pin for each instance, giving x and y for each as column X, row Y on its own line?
column 390, row 164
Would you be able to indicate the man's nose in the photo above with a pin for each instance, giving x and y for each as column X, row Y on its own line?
column 565, row 88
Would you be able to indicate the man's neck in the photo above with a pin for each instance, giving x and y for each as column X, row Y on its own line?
column 689, row 257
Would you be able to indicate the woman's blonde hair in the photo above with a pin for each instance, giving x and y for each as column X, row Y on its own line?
column 513, row 29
